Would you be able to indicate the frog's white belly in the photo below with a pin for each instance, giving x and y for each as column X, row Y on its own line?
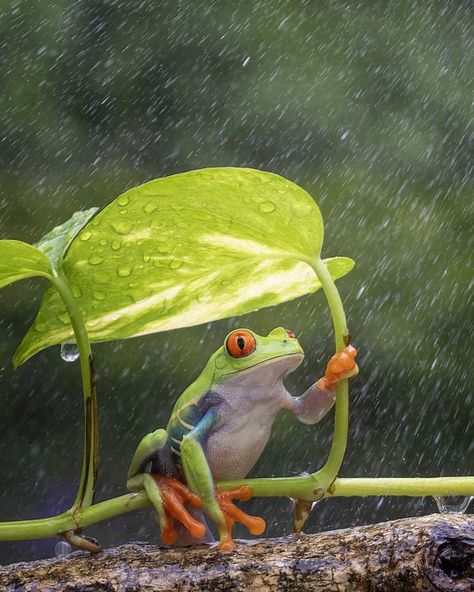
column 235, row 447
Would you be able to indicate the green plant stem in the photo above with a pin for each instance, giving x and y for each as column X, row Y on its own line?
column 326, row 475
column 286, row 487
column 87, row 485
column 334, row 302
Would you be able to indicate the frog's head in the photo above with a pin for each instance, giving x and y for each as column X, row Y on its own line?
column 279, row 353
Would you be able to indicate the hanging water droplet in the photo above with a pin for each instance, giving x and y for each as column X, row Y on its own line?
column 69, row 353
column 453, row 504
column 62, row 549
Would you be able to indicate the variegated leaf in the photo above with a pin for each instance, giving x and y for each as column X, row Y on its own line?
column 187, row 249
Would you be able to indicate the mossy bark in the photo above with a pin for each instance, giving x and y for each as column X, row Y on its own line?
column 432, row 553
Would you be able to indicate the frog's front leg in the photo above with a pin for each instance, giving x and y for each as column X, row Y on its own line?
column 313, row 405
column 217, row 504
column 165, row 492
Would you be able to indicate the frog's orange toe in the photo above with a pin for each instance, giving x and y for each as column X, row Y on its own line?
column 232, row 514
column 174, row 494
column 338, row 365
column 226, row 545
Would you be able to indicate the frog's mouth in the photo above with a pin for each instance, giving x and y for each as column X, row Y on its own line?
column 288, row 363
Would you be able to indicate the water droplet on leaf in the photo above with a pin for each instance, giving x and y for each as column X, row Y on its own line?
column 85, row 236
column 123, row 200
column 69, row 353
column 175, row 264
column 124, row 270
column 99, row 295
column 267, row 207
column 76, row 290
column 121, row 226
column 95, row 259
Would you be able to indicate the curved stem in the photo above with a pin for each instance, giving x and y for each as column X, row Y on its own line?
column 285, row 487
column 341, row 333
column 86, row 490
column 326, row 475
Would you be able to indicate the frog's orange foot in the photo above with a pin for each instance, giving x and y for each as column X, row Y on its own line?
column 234, row 514
column 340, row 366
column 174, row 494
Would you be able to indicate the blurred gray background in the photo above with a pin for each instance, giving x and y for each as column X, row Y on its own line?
column 364, row 104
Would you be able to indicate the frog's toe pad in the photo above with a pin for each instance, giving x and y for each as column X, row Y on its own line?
column 174, row 495
column 234, row 514
column 341, row 365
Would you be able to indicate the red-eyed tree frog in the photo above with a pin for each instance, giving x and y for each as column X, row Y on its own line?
column 219, row 427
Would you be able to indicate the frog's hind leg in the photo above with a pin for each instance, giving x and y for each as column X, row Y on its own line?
column 153, row 469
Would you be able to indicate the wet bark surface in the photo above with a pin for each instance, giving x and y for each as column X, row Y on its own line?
column 431, row 553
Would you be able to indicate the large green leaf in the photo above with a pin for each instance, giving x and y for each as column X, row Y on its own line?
column 184, row 250
column 19, row 260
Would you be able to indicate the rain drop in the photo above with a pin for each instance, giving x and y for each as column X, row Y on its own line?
column 121, row 226
column 76, row 290
column 123, row 200
column 95, row 259
column 62, row 549
column 85, row 236
column 69, row 353
column 116, row 244
column 175, row 264
column 99, row 295
column 124, row 270
column 455, row 504
column 267, row 207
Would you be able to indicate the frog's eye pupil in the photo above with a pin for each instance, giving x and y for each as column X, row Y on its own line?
column 241, row 342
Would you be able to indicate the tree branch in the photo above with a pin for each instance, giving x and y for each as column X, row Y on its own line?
column 431, row 553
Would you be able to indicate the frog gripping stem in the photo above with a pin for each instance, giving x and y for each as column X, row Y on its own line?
column 340, row 366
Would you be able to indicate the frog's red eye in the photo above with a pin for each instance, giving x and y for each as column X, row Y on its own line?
column 290, row 334
column 240, row 343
